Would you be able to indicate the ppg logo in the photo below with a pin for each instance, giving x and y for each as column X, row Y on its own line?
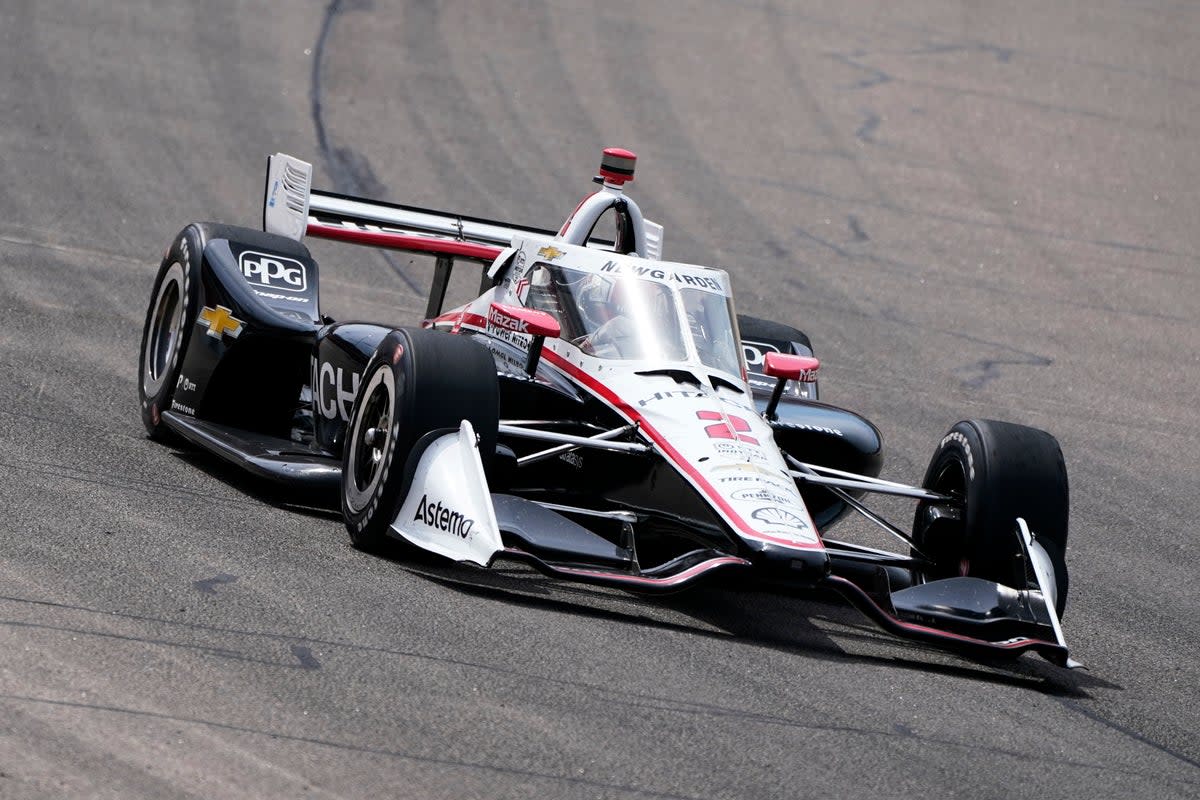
column 274, row 272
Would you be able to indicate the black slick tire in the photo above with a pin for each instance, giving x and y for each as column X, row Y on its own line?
column 996, row 471
column 170, row 318
column 417, row 381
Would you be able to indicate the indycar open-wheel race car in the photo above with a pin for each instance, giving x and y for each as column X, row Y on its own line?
column 597, row 413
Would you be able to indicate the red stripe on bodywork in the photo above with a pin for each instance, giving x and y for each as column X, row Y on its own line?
column 912, row 630
column 609, row 396
column 644, row 580
column 674, row 455
column 404, row 241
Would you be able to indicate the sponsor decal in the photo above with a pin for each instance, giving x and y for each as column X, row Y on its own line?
column 274, row 272
column 740, row 452
column 730, row 449
column 550, row 252
column 807, row 376
column 220, row 322
column 336, row 390
column 507, row 322
column 574, row 459
column 505, row 360
column 814, row 428
column 177, row 406
column 443, row 518
column 772, row 515
column 748, row 473
column 955, row 436
column 756, row 352
column 184, row 384
column 705, row 282
column 276, row 296
column 763, row 495
column 516, row 279
column 735, row 428
column 510, row 337
column 681, row 393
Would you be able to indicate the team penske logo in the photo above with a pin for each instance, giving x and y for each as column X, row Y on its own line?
column 762, row 495
column 443, row 518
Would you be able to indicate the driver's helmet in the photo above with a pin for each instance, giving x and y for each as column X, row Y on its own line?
column 595, row 301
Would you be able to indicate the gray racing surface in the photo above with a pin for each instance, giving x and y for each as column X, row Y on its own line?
column 974, row 209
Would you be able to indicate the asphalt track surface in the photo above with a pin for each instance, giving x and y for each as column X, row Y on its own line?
column 975, row 210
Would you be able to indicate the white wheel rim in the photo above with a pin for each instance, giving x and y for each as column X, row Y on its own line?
column 164, row 329
column 372, row 438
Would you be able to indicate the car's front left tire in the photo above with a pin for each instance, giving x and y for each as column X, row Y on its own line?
column 995, row 472
column 416, row 382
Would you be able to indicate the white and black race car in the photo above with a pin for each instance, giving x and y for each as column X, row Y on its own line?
column 596, row 412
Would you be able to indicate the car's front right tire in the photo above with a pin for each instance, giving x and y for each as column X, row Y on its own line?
column 174, row 304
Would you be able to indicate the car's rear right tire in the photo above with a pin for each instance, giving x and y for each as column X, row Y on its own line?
column 755, row 329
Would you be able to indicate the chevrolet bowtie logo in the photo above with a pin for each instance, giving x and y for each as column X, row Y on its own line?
column 551, row 252
column 220, row 321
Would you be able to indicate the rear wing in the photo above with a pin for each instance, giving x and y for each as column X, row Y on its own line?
column 292, row 208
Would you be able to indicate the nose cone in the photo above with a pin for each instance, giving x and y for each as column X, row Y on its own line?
column 789, row 566
column 727, row 451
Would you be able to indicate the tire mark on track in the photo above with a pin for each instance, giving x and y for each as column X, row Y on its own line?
column 209, row 585
column 1072, row 705
column 1009, row 227
column 209, row 650
column 305, row 656
column 279, row 735
column 350, row 171
column 609, row 695
column 123, row 482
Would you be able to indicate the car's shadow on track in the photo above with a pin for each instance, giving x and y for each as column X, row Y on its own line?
column 814, row 624
column 319, row 504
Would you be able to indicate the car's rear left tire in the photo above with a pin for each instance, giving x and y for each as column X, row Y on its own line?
column 416, row 382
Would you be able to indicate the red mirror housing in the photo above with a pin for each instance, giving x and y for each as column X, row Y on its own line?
column 791, row 367
column 524, row 320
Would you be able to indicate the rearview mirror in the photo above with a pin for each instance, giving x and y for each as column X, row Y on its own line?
column 532, row 321
column 790, row 367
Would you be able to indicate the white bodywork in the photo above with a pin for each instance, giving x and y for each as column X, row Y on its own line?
column 698, row 416
column 449, row 509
